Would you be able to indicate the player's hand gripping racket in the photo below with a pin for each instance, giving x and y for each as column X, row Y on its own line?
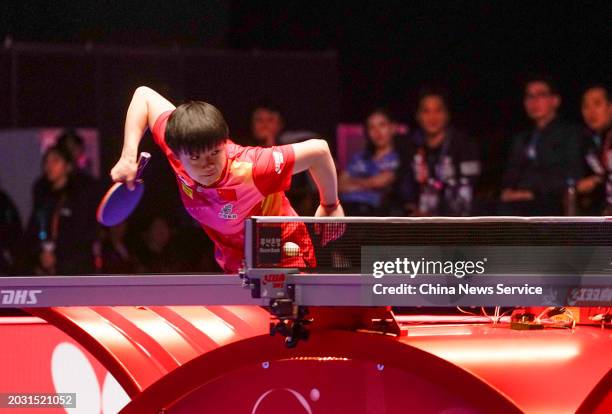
column 119, row 201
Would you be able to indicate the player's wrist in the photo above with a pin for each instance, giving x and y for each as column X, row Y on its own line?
column 129, row 155
column 130, row 147
column 330, row 206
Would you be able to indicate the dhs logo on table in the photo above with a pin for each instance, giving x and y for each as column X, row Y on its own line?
column 20, row 297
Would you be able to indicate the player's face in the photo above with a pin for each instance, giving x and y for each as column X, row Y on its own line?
column 596, row 109
column 205, row 167
column 540, row 103
column 432, row 116
column 266, row 125
column 380, row 130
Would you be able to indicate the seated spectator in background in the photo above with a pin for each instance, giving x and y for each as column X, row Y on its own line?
column 71, row 141
column 155, row 253
column 62, row 228
column 267, row 126
column 116, row 255
column 544, row 160
column 445, row 164
column 597, row 115
column 368, row 178
column 10, row 235
column 195, row 250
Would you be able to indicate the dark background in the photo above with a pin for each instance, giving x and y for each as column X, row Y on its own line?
column 358, row 55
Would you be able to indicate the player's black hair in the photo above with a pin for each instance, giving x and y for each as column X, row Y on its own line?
column 601, row 86
column 541, row 78
column 195, row 126
column 370, row 149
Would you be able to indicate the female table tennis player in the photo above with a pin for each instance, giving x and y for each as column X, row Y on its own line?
column 222, row 183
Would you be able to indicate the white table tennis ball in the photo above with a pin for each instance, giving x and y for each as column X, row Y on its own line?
column 315, row 394
column 291, row 249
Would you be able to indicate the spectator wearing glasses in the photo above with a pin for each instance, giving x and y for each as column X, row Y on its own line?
column 545, row 160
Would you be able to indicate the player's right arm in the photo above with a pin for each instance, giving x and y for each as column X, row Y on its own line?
column 146, row 106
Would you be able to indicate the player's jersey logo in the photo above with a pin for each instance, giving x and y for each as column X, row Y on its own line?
column 278, row 161
column 226, row 212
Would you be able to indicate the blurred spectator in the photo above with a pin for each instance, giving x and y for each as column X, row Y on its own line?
column 62, row 228
column 443, row 166
column 597, row 115
column 156, row 253
column 71, row 141
column 195, row 250
column 365, row 184
column 116, row 256
column 267, row 126
column 10, row 235
column 545, row 160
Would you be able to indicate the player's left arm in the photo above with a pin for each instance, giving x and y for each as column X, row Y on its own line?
column 314, row 155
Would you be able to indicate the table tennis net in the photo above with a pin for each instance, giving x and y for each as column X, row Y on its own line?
column 336, row 244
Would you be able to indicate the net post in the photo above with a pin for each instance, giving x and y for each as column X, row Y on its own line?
column 249, row 229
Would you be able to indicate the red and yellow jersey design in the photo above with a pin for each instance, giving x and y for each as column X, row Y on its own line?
column 252, row 184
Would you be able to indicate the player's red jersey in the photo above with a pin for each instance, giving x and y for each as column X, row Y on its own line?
column 252, row 184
